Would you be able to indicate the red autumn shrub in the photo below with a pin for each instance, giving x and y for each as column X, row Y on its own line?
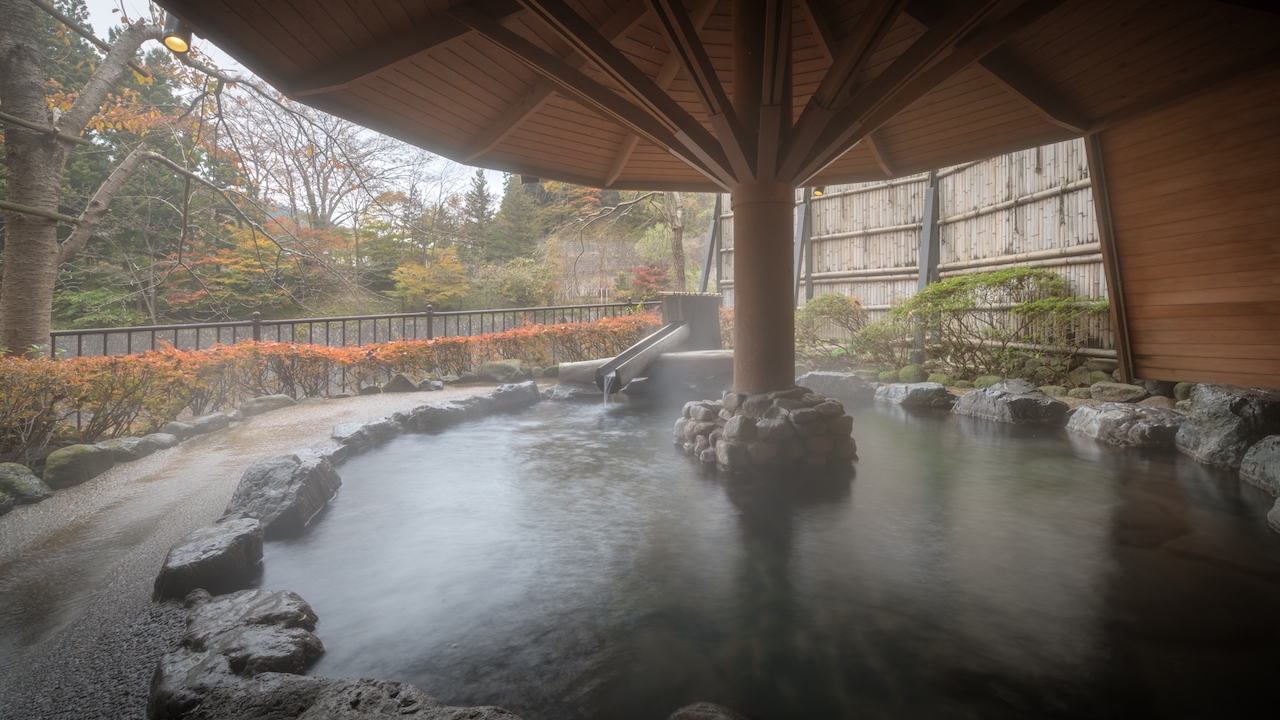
column 117, row 395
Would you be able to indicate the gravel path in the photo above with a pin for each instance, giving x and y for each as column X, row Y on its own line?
column 79, row 635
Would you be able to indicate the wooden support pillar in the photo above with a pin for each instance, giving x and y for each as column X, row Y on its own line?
column 763, row 314
column 1110, row 255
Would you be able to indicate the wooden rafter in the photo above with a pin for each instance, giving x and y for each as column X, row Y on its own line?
column 820, row 27
column 575, row 84
column 616, row 26
column 775, row 115
column 848, row 60
column 666, row 75
column 691, row 137
column 433, row 33
column 1012, row 74
column 877, row 105
column 682, row 39
column 876, row 146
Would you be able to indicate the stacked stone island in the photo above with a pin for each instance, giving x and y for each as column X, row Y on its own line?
column 786, row 427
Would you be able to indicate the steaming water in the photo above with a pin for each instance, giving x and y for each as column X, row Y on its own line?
column 567, row 563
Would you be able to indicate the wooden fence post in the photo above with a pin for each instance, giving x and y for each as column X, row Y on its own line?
column 257, row 326
column 431, row 316
column 927, row 257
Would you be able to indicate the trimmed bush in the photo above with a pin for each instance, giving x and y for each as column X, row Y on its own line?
column 889, row 376
column 942, row 379
column 912, row 374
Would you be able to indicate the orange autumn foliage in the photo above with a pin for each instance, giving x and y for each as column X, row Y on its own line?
column 41, row 399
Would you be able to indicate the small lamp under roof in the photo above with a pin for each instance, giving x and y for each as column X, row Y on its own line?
column 177, row 35
column 818, row 191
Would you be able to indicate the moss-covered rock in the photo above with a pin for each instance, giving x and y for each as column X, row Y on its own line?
column 888, row 376
column 265, row 403
column 1182, row 391
column 1053, row 390
column 962, row 384
column 1080, row 393
column 912, row 374
column 500, row 371
column 75, row 464
column 1100, row 377
column 942, row 379
column 986, row 381
column 18, row 482
column 400, row 383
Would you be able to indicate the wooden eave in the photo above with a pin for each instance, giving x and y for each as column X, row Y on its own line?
column 412, row 69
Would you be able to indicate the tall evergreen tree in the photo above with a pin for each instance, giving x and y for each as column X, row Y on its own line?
column 477, row 211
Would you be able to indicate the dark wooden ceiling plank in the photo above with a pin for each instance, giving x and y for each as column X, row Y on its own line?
column 349, row 69
column 886, row 99
column 529, row 103
column 691, row 138
column 600, row 99
column 336, row 34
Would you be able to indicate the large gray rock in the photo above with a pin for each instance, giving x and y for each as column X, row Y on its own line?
column 706, row 711
column 178, row 429
column 219, row 558
column 517, row 395
column 500, row 371
column 435, row 416
column 1012, row 401
column 75, row 464
column 209, row 423
column 265, row 403
column 359, row 434
column 1273, row 517
column 576, row 390
column 400, row 383
column 1126, row 424
column 916, row 395
column 21, row 485
column 839, row 385
column 1117, row 392
column 6, row 503
column 229, row 638
column 240, row 657
column 1261, row 465
column 1226, row 420
column 284, row 492
column 478, row 406
column 135, row 448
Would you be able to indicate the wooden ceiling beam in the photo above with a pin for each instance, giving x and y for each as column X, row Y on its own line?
column 690, row 135
column 1011, row 73
column 874, row 106
column 385, row 53
column 616, row 26
column 820, row 27
column 666, row 74
column 872, row 27
column 684, row 44
column 876, row 146
column 575, row 84
column 775, row 87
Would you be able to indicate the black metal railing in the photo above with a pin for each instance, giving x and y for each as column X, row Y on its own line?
column 350, row 331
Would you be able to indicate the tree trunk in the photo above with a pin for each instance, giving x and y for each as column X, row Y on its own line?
column 34, row 178
column 35, row 165
column 675, row 216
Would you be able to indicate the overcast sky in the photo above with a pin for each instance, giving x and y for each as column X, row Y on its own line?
column 102, row 19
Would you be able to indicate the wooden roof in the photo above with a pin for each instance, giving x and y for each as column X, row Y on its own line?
column 590, row 91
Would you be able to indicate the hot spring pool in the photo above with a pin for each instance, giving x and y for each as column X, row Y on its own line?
column 566, row 562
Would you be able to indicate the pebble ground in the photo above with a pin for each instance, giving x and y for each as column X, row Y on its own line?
column 79, row 634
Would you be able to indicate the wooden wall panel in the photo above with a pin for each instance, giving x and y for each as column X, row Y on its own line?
column 1193, row 190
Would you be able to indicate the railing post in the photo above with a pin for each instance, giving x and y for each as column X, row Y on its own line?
column 257, row 326
column 431, row 316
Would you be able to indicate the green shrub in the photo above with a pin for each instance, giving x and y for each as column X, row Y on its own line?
column 889, row 376
column 823, row 327
column 989, row 323
column 942, row 379
column 912, row 374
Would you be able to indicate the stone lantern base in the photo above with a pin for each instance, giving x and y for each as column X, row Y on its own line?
column 740, row 432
